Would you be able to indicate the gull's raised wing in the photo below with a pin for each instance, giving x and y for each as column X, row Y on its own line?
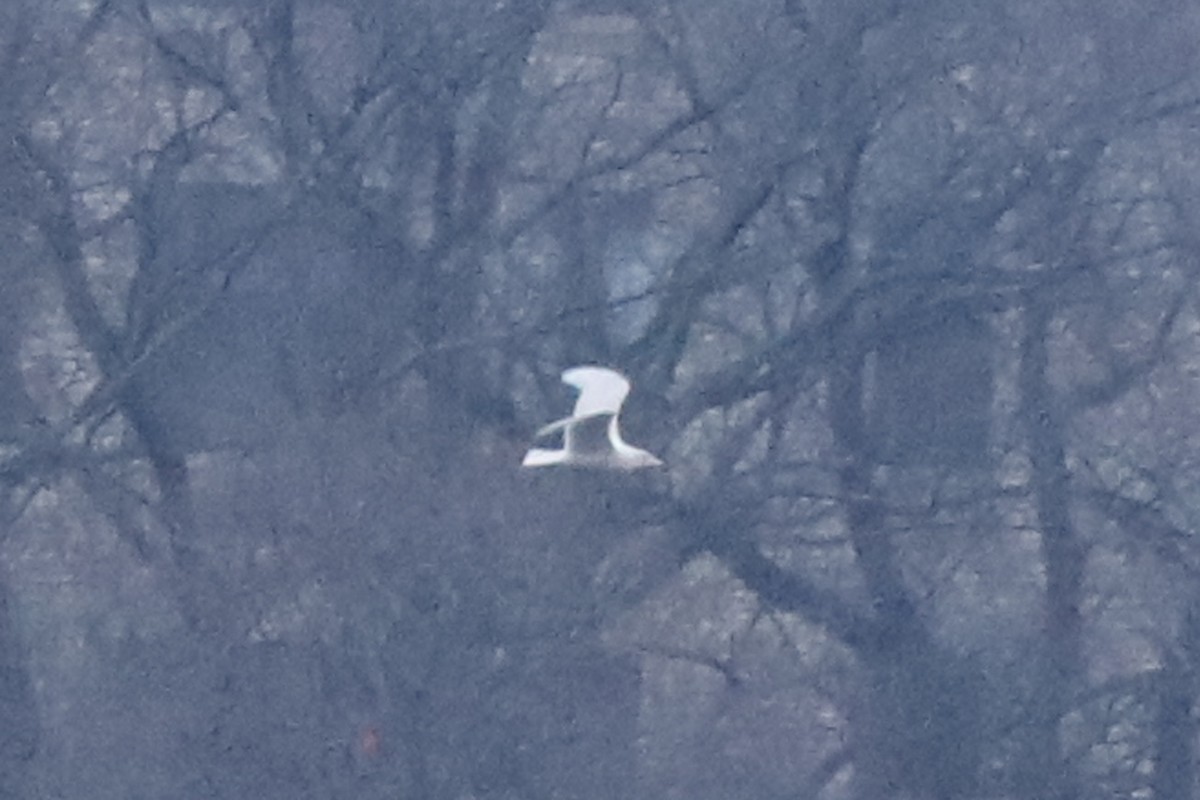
column 601, row 390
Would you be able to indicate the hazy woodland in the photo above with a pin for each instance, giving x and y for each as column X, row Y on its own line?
column 908, row 296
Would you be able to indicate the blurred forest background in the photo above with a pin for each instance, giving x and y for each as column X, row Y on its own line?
column 908, row 295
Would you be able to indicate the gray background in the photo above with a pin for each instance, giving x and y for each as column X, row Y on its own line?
column 907, row 293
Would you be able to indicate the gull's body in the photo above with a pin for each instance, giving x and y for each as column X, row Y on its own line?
column 591, row 436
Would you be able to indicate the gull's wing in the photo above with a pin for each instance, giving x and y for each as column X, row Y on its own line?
column 567, row 422
column 539, row 457
column 582, row 435
column 588, row 436
column 601, row 390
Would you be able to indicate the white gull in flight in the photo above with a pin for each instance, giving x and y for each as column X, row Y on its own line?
column 591, row 437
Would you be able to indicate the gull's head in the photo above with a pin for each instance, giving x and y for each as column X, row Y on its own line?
column 638, row 459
